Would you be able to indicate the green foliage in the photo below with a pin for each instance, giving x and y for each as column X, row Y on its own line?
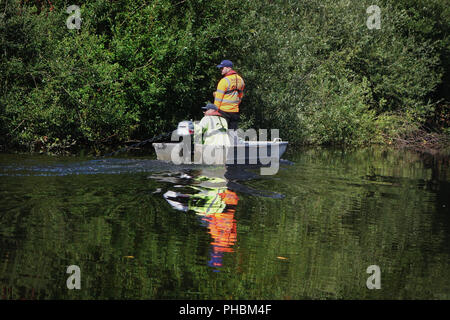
column 337, row 110
column 312, row 69
column 319, row 74
column 132, row 70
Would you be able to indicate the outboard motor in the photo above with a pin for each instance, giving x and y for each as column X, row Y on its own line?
column 185, row 128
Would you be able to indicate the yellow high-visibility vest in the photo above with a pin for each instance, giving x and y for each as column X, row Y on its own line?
column 229, row 93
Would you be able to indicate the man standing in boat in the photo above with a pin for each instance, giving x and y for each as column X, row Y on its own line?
column 229, row 93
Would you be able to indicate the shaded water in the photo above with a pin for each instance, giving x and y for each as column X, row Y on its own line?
column 143, row 229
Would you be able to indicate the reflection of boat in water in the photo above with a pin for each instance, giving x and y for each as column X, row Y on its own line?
column 216, row 207
column 240, row 152
column 211, row 193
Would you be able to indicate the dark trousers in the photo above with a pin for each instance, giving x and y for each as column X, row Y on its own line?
column 232, row 119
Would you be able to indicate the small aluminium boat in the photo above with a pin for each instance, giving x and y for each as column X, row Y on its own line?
column 240, row 152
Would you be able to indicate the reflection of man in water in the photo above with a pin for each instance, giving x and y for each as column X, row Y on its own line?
column 222, row 228
column 216, row 206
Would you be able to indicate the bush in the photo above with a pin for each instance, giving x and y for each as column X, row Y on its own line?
column 312, row 69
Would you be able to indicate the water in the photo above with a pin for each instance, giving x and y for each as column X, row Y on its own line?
column 143, row 229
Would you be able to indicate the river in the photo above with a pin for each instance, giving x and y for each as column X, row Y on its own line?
column 137, row 228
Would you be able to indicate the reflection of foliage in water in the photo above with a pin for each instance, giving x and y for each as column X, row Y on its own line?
column 343, row 211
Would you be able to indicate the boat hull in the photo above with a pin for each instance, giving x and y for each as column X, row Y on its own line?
column 246, row 153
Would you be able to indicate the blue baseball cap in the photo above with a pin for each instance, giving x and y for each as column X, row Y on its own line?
column 225, row 63
column 209, row 106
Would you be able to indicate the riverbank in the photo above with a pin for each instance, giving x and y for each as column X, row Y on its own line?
column 420, row 141
column 316, row 71
column 424, row 142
